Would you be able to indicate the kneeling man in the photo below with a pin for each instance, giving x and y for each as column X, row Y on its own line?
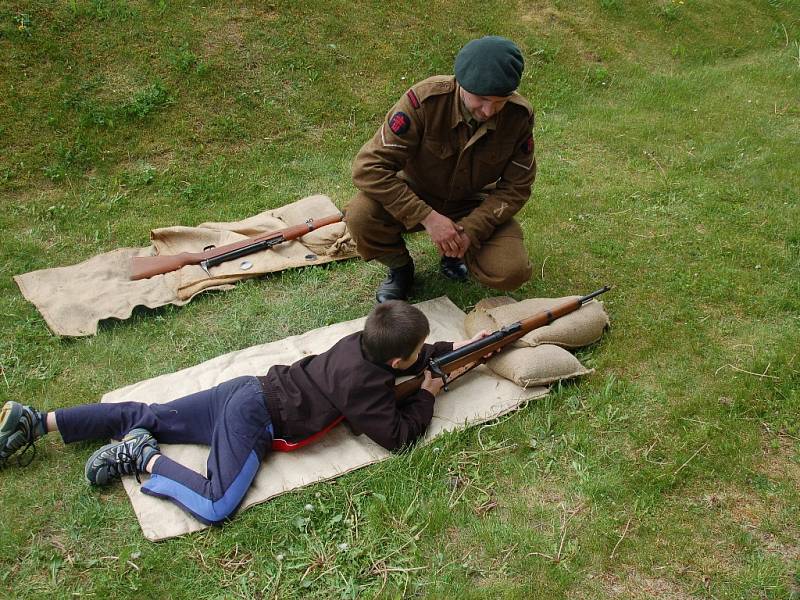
column 454, row 157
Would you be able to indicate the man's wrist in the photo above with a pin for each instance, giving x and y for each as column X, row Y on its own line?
column 465, row 226
column 426, row 220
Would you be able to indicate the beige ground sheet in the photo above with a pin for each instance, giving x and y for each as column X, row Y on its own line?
column 477, row 397
column 74, row 299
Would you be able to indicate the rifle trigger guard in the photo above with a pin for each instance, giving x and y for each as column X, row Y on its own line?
column 436, row 370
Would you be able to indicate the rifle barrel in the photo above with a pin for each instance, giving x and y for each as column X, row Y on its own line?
column 595, row 293
column 475, row 351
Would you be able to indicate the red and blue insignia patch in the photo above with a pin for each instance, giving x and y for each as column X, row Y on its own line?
column 527, row 145
column 412, row 97
column 399, row 123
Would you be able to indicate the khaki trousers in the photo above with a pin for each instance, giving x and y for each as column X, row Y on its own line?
column 500, row 262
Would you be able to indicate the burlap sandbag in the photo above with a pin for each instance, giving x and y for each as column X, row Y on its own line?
column 479, row 319
column 538, row 358
column 575, row 330
column 542, row 365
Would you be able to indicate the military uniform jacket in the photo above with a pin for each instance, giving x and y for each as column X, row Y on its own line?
column 423, row 157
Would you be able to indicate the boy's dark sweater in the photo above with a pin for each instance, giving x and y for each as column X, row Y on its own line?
column 311, row 393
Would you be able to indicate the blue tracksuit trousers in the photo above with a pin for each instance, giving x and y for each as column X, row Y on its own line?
column 231, row 418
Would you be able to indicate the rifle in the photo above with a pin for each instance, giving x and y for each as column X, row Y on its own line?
column 143, row 267
column 476, row 353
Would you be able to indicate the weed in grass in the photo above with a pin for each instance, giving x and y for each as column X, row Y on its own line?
column 186, row 61
column 597, row 76
column 141, row 175
column 679, row 51
column 209, row 186
column 544, row 54
column 95, row 113
column 613, row 6
column 670, row 10
column 227, row 128
column 69, row 160
column 103, row 10
column 23, row 23
column 147, row 100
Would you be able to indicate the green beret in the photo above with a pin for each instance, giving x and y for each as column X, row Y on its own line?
column 490, row 66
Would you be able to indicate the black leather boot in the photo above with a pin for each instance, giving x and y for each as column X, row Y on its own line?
column 453, row 268
column 397, row 284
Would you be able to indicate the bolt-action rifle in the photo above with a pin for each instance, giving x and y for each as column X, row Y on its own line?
column 454, row 364
column 143, row 267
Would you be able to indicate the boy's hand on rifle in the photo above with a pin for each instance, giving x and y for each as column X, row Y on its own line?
column 478, row 336
column 432, row 384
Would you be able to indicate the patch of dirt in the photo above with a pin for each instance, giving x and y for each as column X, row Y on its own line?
column 545, row 16
column 754, row 513
column 117, row 86
column 232, row 31
column 782, row 463
column 162, row 160
column 545, row 494
column 453, row 536
column 637, row 586
column 787, row 552
column 40, row 191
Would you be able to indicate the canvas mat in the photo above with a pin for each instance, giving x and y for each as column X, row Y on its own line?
column 478, row 397
column 74, row 299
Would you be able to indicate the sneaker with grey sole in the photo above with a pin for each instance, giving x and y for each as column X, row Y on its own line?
column 20, row 426
column 128, row 457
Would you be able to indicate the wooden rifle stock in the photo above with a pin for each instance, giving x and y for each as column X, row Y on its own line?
column 475, row 353
column 143, row 267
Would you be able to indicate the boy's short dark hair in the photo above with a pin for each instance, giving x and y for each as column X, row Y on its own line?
column 393, row 329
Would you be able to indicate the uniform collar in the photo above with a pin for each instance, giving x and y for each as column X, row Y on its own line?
column 457, row 115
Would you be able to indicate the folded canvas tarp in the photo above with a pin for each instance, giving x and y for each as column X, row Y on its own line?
column 74, row 299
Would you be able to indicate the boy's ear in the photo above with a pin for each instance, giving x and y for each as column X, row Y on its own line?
column 393, row 362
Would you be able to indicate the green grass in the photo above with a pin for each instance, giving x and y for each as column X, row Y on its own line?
column 668, row 136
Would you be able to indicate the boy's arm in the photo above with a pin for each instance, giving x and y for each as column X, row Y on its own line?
column 373, row 411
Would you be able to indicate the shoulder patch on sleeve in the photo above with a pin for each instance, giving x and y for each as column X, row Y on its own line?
column 527, row 145
column 413, row 98
column 399, row 123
